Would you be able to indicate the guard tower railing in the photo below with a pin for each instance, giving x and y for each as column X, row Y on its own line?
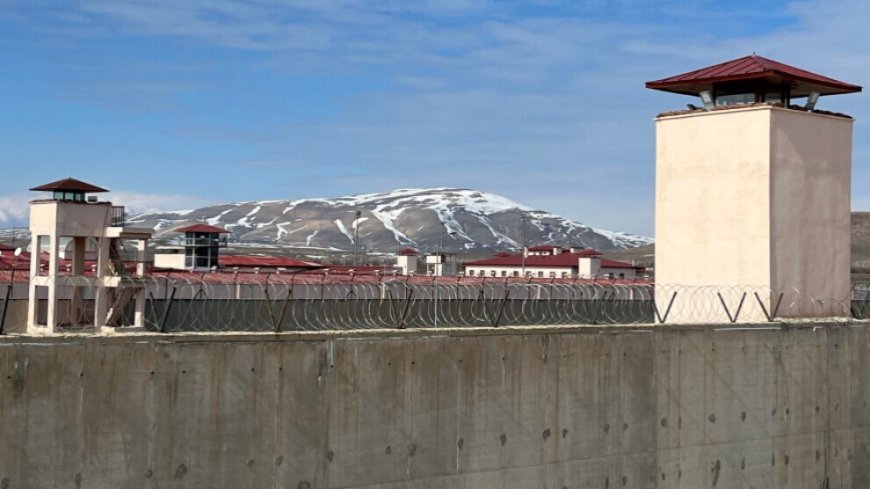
column 204, row 242
column 119, row 217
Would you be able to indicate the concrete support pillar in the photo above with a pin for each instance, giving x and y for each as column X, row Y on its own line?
column 140, row 257
column 53, row 248
column 78, row 259
column 139, row 316
column 101, row 295
column 33, row 300
column 76, row 307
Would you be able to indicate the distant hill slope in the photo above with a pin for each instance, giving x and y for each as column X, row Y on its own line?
column 861, row 239
column 388, row 221
column 645, row 255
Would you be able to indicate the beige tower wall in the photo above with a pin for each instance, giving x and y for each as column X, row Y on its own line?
column 69, row 219
column 750, row 200
column 588, row 267
column 811, row 162
column 712, row 213
column 408, row 264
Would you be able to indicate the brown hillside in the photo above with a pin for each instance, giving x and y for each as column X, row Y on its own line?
column 860, row 246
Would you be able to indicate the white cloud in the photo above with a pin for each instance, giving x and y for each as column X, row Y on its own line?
column 14, row 210
column 139, row 203
column 537, row 106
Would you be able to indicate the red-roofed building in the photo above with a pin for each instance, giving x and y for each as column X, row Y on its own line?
column 9, row 260
column 552, row 262
column 358, row 270
column 199, row 250
column 202, row 228
column 551, row 250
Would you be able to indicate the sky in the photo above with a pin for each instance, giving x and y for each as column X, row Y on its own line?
column 174, row 104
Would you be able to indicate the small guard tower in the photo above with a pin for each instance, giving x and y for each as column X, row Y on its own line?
column 406, row 260
column 202, row 244
column 753, row 193
column 76, row 299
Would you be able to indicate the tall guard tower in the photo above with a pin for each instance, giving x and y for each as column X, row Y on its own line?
column 77, row 299
column 753, row 191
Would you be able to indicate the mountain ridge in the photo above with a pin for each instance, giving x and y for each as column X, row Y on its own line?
column 453, row 219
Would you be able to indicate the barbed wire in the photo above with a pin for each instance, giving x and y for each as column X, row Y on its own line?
column 291, row 304
column 279, row 302
column 732, row 304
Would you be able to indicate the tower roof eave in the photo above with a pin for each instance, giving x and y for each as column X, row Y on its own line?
column 69, row 184
column 752, row 68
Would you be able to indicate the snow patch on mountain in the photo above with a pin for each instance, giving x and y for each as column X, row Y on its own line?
column 310, row 237
column 388, row 219
column 344, row 230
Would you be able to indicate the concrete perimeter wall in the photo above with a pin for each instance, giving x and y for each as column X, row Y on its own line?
column 584, row 407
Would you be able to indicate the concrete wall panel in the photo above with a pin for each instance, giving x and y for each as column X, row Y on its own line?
column 584, row 407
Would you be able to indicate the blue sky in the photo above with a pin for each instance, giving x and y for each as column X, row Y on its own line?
column 174, row 103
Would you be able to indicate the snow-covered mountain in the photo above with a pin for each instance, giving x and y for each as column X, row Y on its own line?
column 465, row 219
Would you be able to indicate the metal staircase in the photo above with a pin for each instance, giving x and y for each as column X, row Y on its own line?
column 124, row 293
column 116, row 263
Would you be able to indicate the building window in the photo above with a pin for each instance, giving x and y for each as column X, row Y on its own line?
column 735, row 99
column 552, row 274
column 492, row 273
column 564, row 274
column 74, row 196
column 516, row 273
column 470, row 273
column 540, row 274
column 621, row 275
column 504, row 273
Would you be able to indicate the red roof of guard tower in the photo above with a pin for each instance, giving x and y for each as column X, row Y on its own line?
column 202, row 228
column 753, row 68
column 69, row 184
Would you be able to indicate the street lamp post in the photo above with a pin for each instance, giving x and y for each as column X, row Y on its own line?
column 356, row 235
column 9, row 287
column 523, row 218
column 439, row 267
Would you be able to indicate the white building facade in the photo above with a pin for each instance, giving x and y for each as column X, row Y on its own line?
column 553, row 262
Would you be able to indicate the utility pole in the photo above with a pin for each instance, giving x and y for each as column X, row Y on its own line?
column 356, row 235
column 523, row 217
column 439, row 267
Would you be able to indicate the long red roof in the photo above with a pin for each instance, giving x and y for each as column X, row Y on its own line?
column 202, row 228
column 264, row 261
column 562, row 260
column 753, row 67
